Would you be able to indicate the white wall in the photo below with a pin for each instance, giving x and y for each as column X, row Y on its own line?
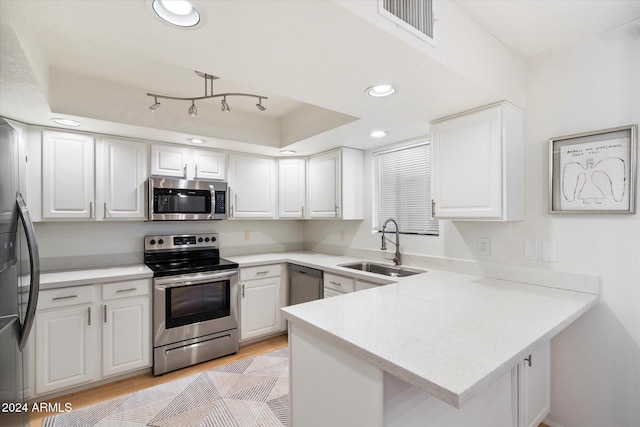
column 65, row 245
column 592, row 85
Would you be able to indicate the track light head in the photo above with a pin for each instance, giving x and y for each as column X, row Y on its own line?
column 193, row 111
column 224, row 105
column 155, row 106
column 260, row 106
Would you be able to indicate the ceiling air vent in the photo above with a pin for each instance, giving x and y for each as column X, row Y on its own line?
column 415, row 16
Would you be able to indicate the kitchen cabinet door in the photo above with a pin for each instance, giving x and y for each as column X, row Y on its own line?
column 170, row 160
column 121, row 170
column 324, row 185
column 209, row 164
column 534, row 393
column 252, row 186
column 67, row 175
column 335, row 188
column 126, row 335
column 260, row 303
column 291, row 188
column 478, row 165
column 64, row 347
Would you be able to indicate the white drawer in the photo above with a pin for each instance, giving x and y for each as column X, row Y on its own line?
column 65, row 297
column 328, row 293
column 339, row 283
column 131, row 288
column 260, row 272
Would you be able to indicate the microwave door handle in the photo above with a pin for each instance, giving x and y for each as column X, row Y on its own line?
column 34, row 262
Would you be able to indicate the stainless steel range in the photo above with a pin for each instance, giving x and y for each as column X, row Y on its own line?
column 195, row 300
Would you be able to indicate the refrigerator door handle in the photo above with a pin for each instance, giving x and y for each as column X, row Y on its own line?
column 34, row 262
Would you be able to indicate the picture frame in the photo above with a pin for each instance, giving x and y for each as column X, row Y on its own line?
column 593, row 172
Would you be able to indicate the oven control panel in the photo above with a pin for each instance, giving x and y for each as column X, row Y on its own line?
column 181, row 241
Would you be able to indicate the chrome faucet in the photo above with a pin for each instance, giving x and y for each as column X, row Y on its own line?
column 396, row 258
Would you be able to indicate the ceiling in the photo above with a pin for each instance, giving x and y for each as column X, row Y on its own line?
column 97, row 60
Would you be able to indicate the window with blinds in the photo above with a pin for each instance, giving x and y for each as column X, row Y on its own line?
column 401, row 189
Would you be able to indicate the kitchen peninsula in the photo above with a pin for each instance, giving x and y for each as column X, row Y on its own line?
column 435, row 349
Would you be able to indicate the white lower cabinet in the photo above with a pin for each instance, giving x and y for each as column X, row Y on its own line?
column 82, row 336
column 534, row 395
column 261, row 298
column 335, row 284
column 64, row 348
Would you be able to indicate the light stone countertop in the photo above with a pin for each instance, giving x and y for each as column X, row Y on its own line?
column 447, row 333
column 61, row 279
column 450, row 334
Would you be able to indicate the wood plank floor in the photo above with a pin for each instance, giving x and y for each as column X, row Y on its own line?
column 130, row 385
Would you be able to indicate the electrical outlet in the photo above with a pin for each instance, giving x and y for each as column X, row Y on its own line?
column 531, row 249
column 484, row 247
column 247, row 235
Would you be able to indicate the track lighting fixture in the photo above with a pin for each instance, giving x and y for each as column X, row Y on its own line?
column 155, row 106
column 193, row 111
column 224, row 105
column 208, row 93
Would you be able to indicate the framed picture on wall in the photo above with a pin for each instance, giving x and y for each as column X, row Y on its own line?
column 593, row 172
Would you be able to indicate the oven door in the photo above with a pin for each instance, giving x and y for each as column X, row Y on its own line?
column 194, row 305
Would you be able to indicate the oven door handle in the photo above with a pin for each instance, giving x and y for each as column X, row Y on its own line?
column 194, row 279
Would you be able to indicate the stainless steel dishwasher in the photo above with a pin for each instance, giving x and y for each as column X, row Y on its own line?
column 305, row 284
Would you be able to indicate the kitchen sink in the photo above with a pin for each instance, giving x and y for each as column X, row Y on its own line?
column 384, row 269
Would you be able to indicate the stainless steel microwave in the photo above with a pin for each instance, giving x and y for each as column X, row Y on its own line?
column 173, row 199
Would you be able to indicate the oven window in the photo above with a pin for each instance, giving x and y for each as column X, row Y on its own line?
column 197, row 303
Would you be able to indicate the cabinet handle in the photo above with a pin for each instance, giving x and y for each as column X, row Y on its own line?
column 104, row 309
column 433, row 208
column 126, row 290
column 196, row 173
column 65, row 297
column 89, row 315
column 302, row 209
column 529, row 360
column 184, row 171
column 336, row 283
column 231, row 211
column 337, row 211
column 91, row 213
column 262, row 272
column 242, row 291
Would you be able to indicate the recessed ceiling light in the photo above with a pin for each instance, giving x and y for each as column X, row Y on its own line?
column 67, row 122
column 197, row 141
column 381, row 90
column 378, row 134
column 176, row 12
column 287, row 152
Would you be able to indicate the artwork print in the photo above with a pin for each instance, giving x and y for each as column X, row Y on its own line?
column 594, row 175
column 593, row 172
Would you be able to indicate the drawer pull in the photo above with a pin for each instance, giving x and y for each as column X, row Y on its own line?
column 262, row 272
column 89, row 315
column 65, row 297
column 336, row 283
column 104, row 309
column 126, row 290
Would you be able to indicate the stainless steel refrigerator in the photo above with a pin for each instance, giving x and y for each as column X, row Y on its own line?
column 19, row 280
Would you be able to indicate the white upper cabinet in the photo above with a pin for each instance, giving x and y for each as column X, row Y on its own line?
column 291, row 188
column 209, row 164
column 121, row 171
column 478, row 165
column 336, row 184
column 67, row 175
column 187, row 163
column 252, row 186
column 169, row 160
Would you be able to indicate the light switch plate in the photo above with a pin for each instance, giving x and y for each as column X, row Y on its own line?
column 550, row 251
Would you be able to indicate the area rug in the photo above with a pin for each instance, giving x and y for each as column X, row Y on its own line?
column 252, row 392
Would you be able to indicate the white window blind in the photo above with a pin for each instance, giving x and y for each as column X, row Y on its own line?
column 401, row 189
